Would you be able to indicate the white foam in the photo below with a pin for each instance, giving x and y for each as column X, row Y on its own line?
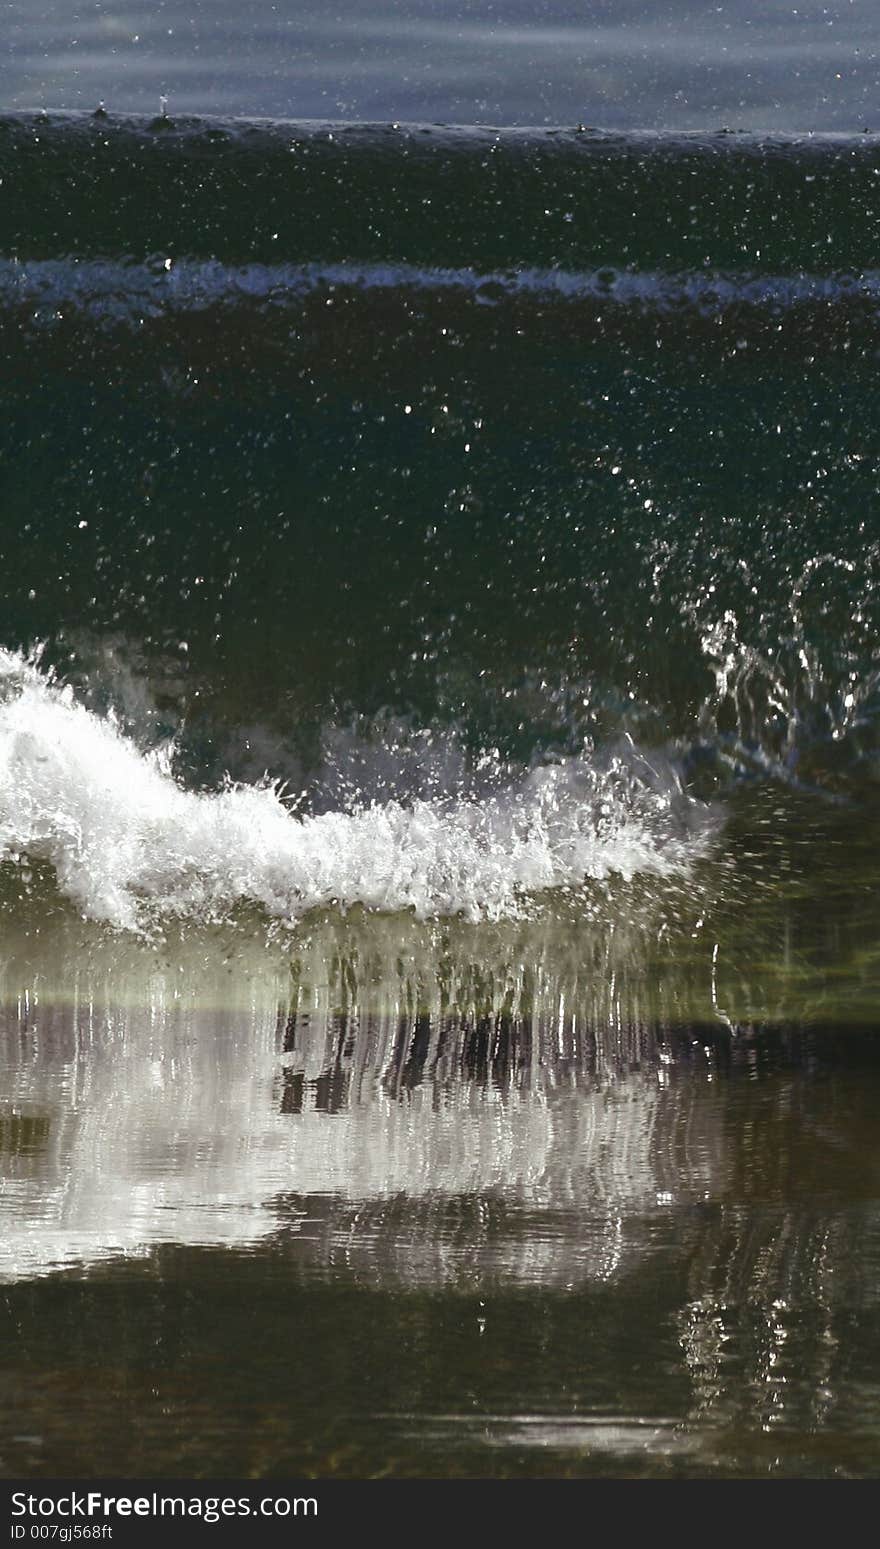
column 124, row 836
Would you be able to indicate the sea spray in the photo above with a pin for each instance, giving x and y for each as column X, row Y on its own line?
column 121, row 832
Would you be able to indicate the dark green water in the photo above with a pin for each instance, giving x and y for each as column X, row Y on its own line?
column 438, row 800
column 536, row 435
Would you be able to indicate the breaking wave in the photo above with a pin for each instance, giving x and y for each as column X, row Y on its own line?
column 124, row 836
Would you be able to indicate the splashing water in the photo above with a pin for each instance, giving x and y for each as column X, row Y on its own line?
column 124, row 836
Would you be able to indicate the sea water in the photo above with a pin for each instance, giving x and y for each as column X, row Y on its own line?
column 439, row 689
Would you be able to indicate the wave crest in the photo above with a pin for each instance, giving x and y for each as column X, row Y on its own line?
column 126, row 838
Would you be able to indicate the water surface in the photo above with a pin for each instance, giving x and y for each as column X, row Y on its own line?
column 439, row 820
column 283, row 1241
column 677, row 64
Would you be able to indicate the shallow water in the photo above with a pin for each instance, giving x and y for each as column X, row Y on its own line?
column 360, row 1242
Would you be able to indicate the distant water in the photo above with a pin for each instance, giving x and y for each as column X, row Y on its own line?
column 673, row 64
column 439, row 803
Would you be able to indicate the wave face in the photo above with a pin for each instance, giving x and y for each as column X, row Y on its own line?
column 427, row 518
column 435, row 195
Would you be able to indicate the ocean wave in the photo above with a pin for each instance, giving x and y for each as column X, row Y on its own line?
column 125, row 837
column 574, row 198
